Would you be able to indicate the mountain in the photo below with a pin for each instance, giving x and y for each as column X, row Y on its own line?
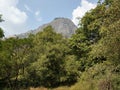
column 61, row 25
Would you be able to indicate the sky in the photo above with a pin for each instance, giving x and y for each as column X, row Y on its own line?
column 21, row 16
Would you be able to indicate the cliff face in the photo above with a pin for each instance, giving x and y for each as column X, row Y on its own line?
column 60, row 25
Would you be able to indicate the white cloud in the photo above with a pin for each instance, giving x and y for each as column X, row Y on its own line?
column 37, row 13
column 13, row 16
column 27, row 8
column 81, row 10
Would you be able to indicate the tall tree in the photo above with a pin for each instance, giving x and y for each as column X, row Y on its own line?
column 14, row 58
column 49, row 52
column 108, row 46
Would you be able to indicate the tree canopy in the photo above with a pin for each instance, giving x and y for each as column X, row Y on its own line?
column 90, row 57
column 1, row 31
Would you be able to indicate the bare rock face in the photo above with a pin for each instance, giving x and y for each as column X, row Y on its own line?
column 60, row 25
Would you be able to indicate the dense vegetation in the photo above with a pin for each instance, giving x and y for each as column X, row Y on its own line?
column 90, row 59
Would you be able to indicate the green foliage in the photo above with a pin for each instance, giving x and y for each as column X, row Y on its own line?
column 14, row 58
column 98, row 77
column 71, row 66
column 91, row 57
column 1, row 31
column 79, row 44
column 101, row 27
column 108, row 46
column 50, row 50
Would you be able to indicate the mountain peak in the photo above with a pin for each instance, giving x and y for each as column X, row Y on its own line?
column 58, row 18
column 60, row 25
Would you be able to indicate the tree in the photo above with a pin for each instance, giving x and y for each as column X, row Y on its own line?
column 14, row 59
column 87, row 34
column 108, row 46
column 1, row 31
column 49, row 51
column 101, row 26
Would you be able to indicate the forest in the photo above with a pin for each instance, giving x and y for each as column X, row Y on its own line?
column 88, row 60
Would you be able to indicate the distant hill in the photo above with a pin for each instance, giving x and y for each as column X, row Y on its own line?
column 61, row 25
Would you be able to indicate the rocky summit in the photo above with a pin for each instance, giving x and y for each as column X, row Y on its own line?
column 60, row 25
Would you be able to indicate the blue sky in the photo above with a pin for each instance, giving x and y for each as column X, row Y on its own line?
column 23, row 15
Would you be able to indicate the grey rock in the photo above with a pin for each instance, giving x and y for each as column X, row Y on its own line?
column 60, row 25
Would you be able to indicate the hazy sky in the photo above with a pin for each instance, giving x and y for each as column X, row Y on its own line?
column 23, row 15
